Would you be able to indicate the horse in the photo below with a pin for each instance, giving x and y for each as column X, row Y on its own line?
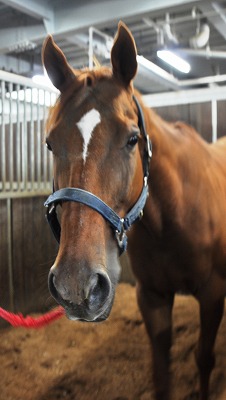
column 172, row 209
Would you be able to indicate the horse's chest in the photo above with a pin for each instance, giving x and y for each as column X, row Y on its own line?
column 168, row 262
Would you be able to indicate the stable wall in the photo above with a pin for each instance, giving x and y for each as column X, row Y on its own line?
column 198, row 115
column 27, row 251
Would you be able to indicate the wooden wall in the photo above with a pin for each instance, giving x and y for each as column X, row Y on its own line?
column 197, row 115
column 221, row 118
column 4, row 265
column 23, row 280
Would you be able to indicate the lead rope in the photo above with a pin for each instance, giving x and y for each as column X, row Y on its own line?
column 18, row 320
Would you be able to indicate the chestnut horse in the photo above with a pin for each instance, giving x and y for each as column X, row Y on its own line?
column 97, row 133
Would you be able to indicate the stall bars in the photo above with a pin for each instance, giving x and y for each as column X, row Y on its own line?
column 25, row 163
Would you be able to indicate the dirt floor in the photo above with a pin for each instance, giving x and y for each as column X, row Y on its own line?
column 108, row 361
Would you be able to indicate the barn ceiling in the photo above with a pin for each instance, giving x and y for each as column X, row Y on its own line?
column 196, row 30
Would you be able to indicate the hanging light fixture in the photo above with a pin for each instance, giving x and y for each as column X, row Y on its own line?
column 169, row 56
column 175, row 61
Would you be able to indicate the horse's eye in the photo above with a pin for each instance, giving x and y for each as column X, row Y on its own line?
column 48, row 146
column 132, row 141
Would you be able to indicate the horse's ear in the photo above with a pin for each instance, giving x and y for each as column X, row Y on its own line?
column 124, row 55
column 56, row 65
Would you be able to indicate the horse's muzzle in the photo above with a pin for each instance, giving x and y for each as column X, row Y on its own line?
column 93, row 302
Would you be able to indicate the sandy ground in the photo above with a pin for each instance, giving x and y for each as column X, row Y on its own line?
column 108, row 361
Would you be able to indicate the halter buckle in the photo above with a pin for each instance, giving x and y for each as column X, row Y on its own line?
column 51, row 209
column 149, row 148
column 121, row 235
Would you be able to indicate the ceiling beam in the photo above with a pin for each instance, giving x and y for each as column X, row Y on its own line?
column 14, row 38
column 36, row 9
column 72, row 17
column 216, row 16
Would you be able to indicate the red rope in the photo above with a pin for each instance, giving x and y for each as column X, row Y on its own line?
column 18, row 320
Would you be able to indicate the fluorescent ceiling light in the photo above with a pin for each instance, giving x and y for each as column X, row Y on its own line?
column 151, row 66
column 176, row 62
column 158, row 74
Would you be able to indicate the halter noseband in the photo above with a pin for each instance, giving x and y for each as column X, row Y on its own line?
column 119, row 225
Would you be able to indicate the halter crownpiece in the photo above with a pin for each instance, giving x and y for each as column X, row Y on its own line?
column 119, row 225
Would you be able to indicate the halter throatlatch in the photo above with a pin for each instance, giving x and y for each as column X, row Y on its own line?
column 119, row 225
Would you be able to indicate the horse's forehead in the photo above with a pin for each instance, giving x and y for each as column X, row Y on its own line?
column 96, row 89
column 84, row 108
column 86, row 126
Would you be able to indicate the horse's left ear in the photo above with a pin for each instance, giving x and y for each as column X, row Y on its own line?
column 56, row 65
column 124, row 55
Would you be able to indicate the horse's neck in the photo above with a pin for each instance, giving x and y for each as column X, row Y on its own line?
column 165, row 141
column 166, row 170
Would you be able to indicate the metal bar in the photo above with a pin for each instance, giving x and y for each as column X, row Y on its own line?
column 50, row 154
column 24, row 143
column 31, row 193
column 42, row 153
column 11, row 144
column 101, row 34
column 21, row 80
column 206, row 53
column 214, row 120
column 1, row 155
column 18, row 140
column 10, row 252
column 3, row 147
column 45, row 166
column 91, row 47
column 190, row 96
column 38, row 146
column 32, row 144
column 23, row 166
column 25, row 139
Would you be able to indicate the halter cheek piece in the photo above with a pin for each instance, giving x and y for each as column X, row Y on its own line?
column 119, row 225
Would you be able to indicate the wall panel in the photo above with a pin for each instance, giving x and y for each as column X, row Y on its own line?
column 4, row 267
column 34, row 250
column 221, row 118
column 200, row 118
column 197, row 115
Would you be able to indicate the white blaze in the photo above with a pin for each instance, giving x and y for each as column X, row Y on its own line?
column 86, row 126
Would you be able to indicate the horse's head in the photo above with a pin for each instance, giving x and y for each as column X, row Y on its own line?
column 95, row 139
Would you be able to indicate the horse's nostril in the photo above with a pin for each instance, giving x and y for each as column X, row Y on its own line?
column 88, row 299
column 52, row 287
column 98, row 290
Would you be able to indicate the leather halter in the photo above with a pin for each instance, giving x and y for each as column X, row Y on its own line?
column 119, row 225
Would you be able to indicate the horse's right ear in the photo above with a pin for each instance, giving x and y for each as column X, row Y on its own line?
column 123, row 55
column 56, row 65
